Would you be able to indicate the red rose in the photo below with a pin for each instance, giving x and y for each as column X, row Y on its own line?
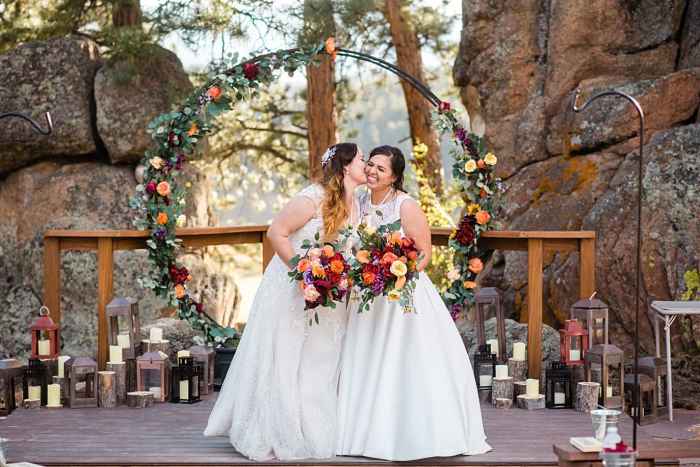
column 444, row 106
column 151, row 187
column 250, row 70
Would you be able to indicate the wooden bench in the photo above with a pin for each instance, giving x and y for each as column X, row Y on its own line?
column 650, row 452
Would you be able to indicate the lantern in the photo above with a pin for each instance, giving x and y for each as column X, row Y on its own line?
column 35, row 381
column 44, row 336
column 11, row 387
column 82, row 382
column 647, row 398
column 153, row 375
column 605, row 365
column 185, row 381
column 558, row 388
column 655, row 368
column 204, row 355
column 485, row 298
column 485, row 368
column 593, row 313
column 123, row 326
column 573, row 342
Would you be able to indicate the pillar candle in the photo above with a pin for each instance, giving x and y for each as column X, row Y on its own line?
column 519, row 351
column 485, row 380
column 574, row 355
column 34, row 393
column 609, row 391
column 115, row 354
column 184, row 390
column 559, row 398
column 494, row 346
column 155, row 390
column 183, row 353
column 123, row 341
column 501, row 371
column 44, row 347
column 532, row 387
column 62, row 359
column 156, row 335
column 54, row 395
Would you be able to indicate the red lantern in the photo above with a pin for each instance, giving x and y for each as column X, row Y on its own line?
column 573, row 342
column 44, row 336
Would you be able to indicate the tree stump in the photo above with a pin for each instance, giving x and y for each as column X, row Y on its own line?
column 162, row 346
column 503, row 403
column 519, row 387
column 587, row 396
column 502, row 389
column 31, row 403
column 517, row 369
column 531, row 402
column 119, row 370
column 106, row 389
column 139, row 399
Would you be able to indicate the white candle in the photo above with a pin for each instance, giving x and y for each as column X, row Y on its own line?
column 609, row 391
column 574, row 355
column 156, row 335
column 115, row 354
column 559, row 398
column 34, row 393
column 501, row 371
column 183, row 353
column 485, row 380
column 519, row 351
column 155, row 390
column 123, row 341
column 54, row 395
column 184, row 390
column 62, row 359
column 494, row 346
column 44, row 347
column 532, row 387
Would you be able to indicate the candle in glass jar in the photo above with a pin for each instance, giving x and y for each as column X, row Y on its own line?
column 501, row 371
column 53, row 395
column 123, row 341
column 184, row 390
column 62, row 359
column 609, row 391
column 44, row 347
column 34, row 393
column 559, row 398
column 574, row 355
column 519, row 351
column 485, row 380
column 115, row 354
column 156, row 335
column 532, row 387
column 494, row 346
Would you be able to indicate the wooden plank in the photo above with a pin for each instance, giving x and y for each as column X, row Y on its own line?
column 78, row 243
column 187, row 232
column 229, row 238
column 510, row 244
column 534, row 306
column 105, row 285
column 587, row 267
column 561, row 244
column 667, row 450
column 52, row 278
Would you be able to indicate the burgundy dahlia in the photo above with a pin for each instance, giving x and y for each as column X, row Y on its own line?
column 465, row 232
column 251, row 70
column 199, row 307
column 444, row 106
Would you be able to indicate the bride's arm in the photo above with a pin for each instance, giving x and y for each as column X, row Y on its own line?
column 293, row 217
column 415, row 225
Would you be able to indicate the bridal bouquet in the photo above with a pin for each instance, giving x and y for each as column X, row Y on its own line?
column 322, row 274
column 385, row 264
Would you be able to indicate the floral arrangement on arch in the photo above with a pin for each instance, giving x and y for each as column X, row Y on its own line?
column 474, row 174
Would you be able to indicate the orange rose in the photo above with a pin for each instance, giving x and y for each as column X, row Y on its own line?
column 475, row 265
column 163, row 188
column 194, row 129
column 362, row 256
column 400, row 282
column 395, row 238
column 303, row 265
column 469, row 284
column 482, row 217
column 412, row 255
column 328, row 251
column 389, row 258
column 480, row 163
column 162, row 218
column 214, row 92
column 368, row 278
column 330, row 47
column 337, row 266
column 317, row 270
column 179, row 291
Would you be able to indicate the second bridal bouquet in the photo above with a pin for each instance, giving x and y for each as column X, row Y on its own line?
column 322, row 274
column 384, row 264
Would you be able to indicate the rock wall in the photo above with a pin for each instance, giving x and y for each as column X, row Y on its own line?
column 517, row 69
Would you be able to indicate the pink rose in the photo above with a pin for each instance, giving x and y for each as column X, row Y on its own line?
column 311, row 294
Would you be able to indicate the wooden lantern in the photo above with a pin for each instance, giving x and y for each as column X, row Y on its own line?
column 655, row 368
column 605, row 364
column 185, row 381
column 82, row 382
column 44, row 336
column 573, row 342
column 485, row 298
column 153, row 375
column 205, row 356
column 558, row 390
column 35, row 381
column 593, row 313
column 484, row 368
column 123, row 325
column 647, row 398
column 11, row 387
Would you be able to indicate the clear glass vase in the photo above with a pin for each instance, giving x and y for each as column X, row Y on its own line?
column 618, row 459
column 602, row 419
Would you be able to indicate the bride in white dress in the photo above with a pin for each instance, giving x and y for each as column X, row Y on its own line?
column 279, row 398
column 407, row 390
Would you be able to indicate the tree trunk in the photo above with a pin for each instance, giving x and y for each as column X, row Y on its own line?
column 409, row 60
column 126, row 13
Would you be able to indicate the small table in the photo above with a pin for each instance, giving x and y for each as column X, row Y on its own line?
column 648, row 453
column 668, row 312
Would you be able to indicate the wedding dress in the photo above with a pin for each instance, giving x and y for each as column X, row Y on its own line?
column 279, row 398
column 407, row 390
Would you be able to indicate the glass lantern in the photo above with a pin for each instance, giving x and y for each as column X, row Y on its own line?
column 573, row 342
column 205, row 356
column 44, row 336
column 593, row 313
column 485, row 368
column 11, row 388
column 605, row 365
column 123, row 325
column 35, row 381
column 655, row 368
column 558, row 386
column 185, row 381
column 153, row 375
column 485, row 299
column 82, row 382
column 647, row 398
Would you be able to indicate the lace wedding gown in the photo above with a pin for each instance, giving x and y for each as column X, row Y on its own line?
column 279, row 398
column 407, row 390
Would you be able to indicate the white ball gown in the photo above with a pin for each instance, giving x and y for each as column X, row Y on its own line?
column 279, row 398
column 407, row 390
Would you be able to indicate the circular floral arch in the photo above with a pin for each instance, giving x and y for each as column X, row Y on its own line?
column 160, row 195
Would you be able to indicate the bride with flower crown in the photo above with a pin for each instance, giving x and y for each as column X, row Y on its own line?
column 279, row 398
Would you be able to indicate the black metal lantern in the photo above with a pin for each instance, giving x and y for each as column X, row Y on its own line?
column 11, row 388
column 558, row 390
column 485, row 298
column 656, row 369
column 35, row 381
column 185, row 384
column 82, row 382
column 605, row 364
column 123, row 325
column 647, row 398
column 484, row 368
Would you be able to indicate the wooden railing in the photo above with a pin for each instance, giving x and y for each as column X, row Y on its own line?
column 105, row 242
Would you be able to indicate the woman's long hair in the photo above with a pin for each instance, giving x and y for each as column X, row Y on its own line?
column 398, row 162
column 333, row 207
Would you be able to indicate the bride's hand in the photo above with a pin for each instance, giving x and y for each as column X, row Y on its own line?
column 415, row 225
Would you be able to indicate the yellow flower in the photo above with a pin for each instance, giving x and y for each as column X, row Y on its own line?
column 473, row 209
column 420, row 150
column 162, row 218
column 369, row 230
column 317, row 270
column 398, row 268
column 394, row 295
column 469, row 284
column 157, row 163
column 490, row 159
column 470, row 166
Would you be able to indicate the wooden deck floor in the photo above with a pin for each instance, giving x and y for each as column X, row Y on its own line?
column 171, row 435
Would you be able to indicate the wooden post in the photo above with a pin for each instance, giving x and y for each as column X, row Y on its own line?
column 119, row 370
column 105, row 284
column 267, row 251
column 587, row 267
column 139, row 399
column 587, row 396
column 52, row 278
column 534, row 306
column 106, row 389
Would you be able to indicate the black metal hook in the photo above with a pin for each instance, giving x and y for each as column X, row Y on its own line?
column 32, row 122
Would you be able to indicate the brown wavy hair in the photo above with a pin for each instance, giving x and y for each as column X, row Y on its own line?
column 333, row 207
column 398, row 162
